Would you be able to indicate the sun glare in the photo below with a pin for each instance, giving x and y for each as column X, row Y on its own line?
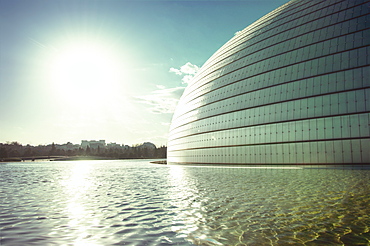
column 85, row 70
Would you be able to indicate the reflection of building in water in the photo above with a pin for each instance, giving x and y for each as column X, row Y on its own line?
column 293, row 87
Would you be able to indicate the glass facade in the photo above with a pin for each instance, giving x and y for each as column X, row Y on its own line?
column 292, row 88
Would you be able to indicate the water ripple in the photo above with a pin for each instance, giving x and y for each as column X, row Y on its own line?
column 137, row 203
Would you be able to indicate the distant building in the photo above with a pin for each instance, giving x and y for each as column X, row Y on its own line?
column 93, row 144
column 84, row 144
column 114, row 146
column 293, row 87
column 68, row 146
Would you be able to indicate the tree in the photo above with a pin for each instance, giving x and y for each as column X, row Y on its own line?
column 3, row 152
column 80, row 151
column 88, row 150
column 27, row 152
column 53, row 149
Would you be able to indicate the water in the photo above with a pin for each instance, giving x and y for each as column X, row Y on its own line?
column 138, row 203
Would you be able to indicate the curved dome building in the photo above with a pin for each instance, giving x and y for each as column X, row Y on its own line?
column 292, row 88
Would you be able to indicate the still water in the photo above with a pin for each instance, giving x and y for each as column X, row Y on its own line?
column 137, row 203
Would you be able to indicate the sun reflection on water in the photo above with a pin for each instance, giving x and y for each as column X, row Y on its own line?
column 188, row 200
column 137, row 203
column 77, row 185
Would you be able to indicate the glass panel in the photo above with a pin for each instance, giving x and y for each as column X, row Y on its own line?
column 304, row 108
column 281, row 137
column 284, row 111
column 291, row 130
column 279, row 153
column 360, row 101
column 324, row 83
column 286, row 153
column 321, row 152
column 313, row 152
column 365, row 146
column 309, row 86
column 342, row 103
column 320, row 124
column 356, row 151
column 306, row 153
column 310, row 107
column 347, row 151
column 328, row 128
column 337, row 132
column 305, row 130
column 318, row 106
column 326, row 105
column 364, row 125
column 345, row 127
column 329, row 152
column 354, row 126
column 351, row 102
column 292, row 153
column 334, row 104
column 299, row 150
column 338, row 155
column 312, row 129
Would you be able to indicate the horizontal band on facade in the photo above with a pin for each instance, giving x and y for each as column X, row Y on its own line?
column 278, row 68
column 271, row 143
column 290, row 100
column 238, row 164
column 334, row 24
column 279, row 33
column 268, row 87
column 286, row 82
column 269, row 123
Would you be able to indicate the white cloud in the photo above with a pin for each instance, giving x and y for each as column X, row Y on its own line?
column 187, row 71
column 189, row 68
column 162, row 101
column 187, row 78
column 176, row 71
column 161, row 87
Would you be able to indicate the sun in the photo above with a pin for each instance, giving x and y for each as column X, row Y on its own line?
column 85, row 70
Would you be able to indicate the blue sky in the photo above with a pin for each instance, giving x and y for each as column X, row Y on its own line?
column 113, row 70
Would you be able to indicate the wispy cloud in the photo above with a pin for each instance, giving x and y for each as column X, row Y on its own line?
column 187, row 71
column 162, row 101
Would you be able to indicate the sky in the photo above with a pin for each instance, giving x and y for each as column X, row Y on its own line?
column 106, row 69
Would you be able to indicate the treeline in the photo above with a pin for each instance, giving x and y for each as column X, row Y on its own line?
column 17, row 150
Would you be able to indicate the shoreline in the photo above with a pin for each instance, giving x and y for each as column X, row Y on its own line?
column 163, row 162
column 67, row 158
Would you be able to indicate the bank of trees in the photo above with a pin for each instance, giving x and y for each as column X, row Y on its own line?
column 17, row 150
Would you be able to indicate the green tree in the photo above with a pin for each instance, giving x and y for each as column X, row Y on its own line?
column 88, row 150
column 53, row 149
column 3, row 152
column 28, row 152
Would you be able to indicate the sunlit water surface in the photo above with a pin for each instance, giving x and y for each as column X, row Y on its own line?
column 138, row 203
